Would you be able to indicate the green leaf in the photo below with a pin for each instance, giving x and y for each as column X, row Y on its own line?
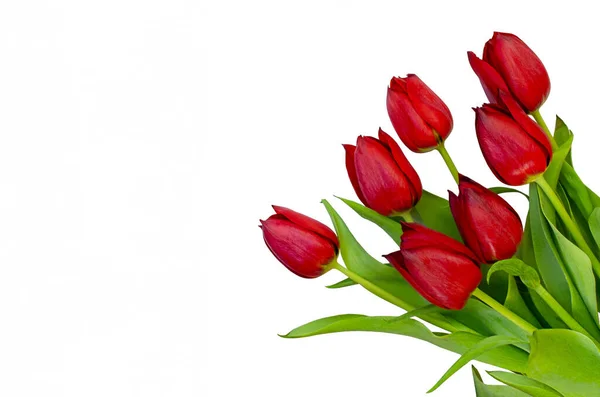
column 565, row 360
column 390, row 226
column 574, row 268
column 579, row 268
column 559, row 156
column 505, row 189
column 515, row 303
column 583, row 198
column 507, row 357
column 434, row 212
column 594, row 223
column 561, row 135
column 516, row 267
column 483, row 346
column 484, row 390
column 341, row 284
column 486, row 321
column 546, row 253
column 525, row 384
column 360, row 262
column 418, row 312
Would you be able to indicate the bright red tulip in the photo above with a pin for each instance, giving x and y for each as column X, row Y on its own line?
column 513, row 145
column 510, row 65
column 441, row 269
column 419, row 116
column 381, row 175
column 305, row 246
column 489, row 226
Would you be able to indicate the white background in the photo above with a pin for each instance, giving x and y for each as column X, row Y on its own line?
column 141, row 141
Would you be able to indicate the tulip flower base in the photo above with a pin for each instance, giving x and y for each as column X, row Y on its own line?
column 520, row 295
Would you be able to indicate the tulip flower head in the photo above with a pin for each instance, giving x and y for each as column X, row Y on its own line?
column 489, row 226
column 421, row 119
column 382, row 177
column 442, row 270
column 515, row 148
column 511, row 66
column 303, row 245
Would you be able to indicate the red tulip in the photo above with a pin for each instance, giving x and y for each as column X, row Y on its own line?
column 441, row 269
column 381, row 175
column 418, row 115
column 305, row 246
column 513, row 145
column 510, row 65
column 489, row 226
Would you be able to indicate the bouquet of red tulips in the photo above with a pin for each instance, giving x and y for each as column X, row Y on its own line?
column 521, row 295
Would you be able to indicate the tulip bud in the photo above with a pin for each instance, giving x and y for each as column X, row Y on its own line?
column 418, row 115
column 513, row 145
column 489, row 226
column 510, row 65
column 382, row 177
column 441, row 269
column 305, row 246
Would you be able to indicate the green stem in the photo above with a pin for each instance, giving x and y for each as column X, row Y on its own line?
column 540, row 120
column 562, row 313
column 494, row 304
column 435, row 319
column 407, row 217
column 448, row 160
column 568, row 221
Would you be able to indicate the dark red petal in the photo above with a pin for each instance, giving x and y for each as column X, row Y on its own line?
column 495, row 229
column 404, row 165
column 418, row 236
column 530, row 126
column 512, row 155
column 444, row 278
column 429, row 106
column 308, row 223
column 398, row 84
column 521, row 69
column 397, row 260
column 302, row 251
column 410, row 127
column 383, row 185
column 490, row 79
column 351, row 169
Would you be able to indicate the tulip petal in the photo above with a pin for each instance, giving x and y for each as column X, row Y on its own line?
column 410, row 127
column 384, row 186
column 490, row 227
column 444, row 278
column 302, row 251
column 396, row 259
column 307, row 223
column 405, row 166
column 429, row 106
column 490, row 79
column 521, row 69
column 418, row 236
column 530, row 126
column 351, row 169
column 510, row 152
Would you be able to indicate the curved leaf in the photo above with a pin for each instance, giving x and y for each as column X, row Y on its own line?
column 565, row 360
column 483, row 390
column 483, row 346
column 507, row 357
column 530, row 386
column 390, row 226
column 506, row 189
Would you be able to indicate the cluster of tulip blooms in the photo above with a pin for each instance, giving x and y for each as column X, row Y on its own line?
column 520, row 297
